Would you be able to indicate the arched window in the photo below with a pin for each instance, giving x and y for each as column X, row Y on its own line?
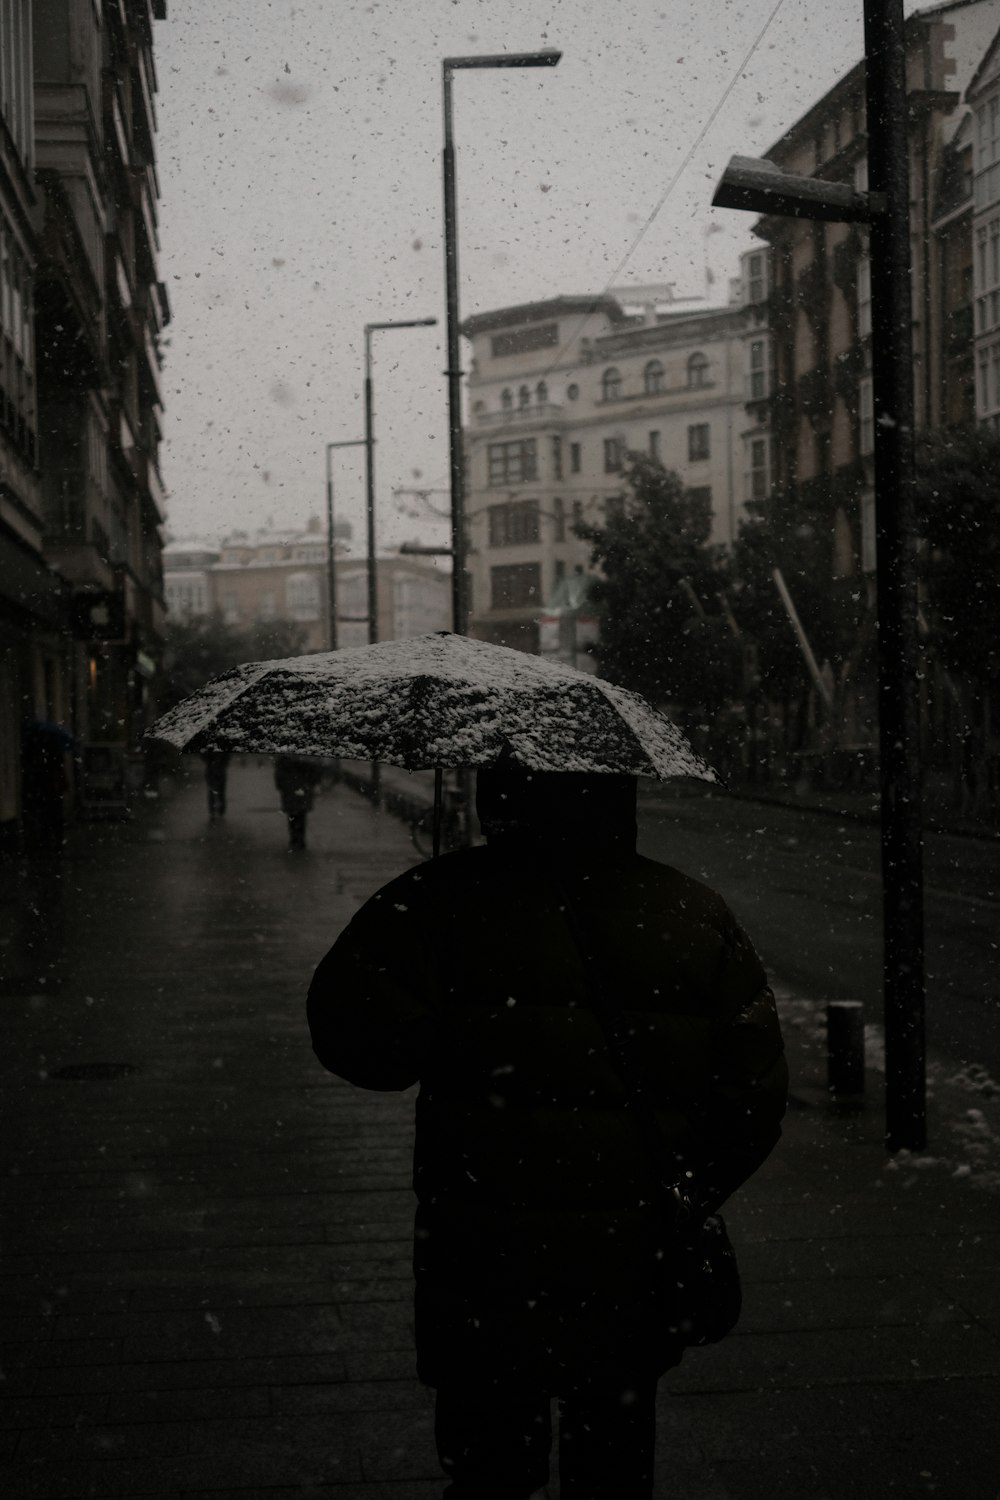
column 541, row 393
column 524, row 396
column 652, row 378
column 697, row 371
column 611, row 385
column 506, row 399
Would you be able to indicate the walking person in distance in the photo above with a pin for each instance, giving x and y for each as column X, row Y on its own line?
column 296, row 777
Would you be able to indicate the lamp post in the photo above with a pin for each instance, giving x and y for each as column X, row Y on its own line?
column 331, row 576
column 762, row 188
column 369, row 440
column 545, row 59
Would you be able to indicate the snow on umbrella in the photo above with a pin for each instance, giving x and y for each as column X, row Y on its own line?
column 432, row 701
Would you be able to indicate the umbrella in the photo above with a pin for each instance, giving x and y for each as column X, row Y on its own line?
column 438, row 700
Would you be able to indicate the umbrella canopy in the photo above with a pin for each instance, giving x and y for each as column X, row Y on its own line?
column 432, row 701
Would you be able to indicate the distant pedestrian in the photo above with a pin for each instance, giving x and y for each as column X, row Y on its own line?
column 542, row 1251
column 216, row 767
column 296, row 777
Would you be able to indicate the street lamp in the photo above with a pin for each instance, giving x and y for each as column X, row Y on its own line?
column 545, row 59
column 369, row 439
column 331, row 576
column 760, row 187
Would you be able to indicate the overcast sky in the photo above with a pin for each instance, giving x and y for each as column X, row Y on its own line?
column 300, row 166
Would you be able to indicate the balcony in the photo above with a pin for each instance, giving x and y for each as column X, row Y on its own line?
column 518, row 415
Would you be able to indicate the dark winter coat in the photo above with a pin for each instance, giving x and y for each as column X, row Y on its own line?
column 535, row 1239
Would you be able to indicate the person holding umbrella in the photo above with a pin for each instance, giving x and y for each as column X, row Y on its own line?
column 597, row 1048
column 539, row 1265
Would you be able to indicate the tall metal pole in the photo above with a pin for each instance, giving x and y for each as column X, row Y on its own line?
column 330, row 560
column 456, row 457
column 331, row 573
column 370, row 492
column 899, row 724
column 547, row 58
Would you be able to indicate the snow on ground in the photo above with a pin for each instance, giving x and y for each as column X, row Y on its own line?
column 963, row 1099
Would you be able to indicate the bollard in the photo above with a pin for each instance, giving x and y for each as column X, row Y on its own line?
column 845, row 1048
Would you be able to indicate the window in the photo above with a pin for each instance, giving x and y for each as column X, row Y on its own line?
column 864, row 297
column 614, row 455
column 230, row 608
column 557, row 458
column 514, row 523
column 511, row 463
column 523, row 397
column 995, row 365
column 572, row 392
column 302, row 597
column 653, row 378
column 758, row 369
column 614, row 505
column 558, row 572
column 861, row 174
column 866, row 417
column 541, row 393
column 266, row 606
column 515, row 586
column 758, row 477
column 577, row 512
column 611, row 385
column 654, row 444
column 15, row 71
column 558, row 520
column 574, row 458
column 756, row 273
column 507, row 399
column 698, row 442
column 697, row 372
column 701, row 494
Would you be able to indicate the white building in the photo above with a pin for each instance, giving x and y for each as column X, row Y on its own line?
column 559, row 392
column 284, row 575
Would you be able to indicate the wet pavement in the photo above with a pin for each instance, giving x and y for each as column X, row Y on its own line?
column 205, row 1278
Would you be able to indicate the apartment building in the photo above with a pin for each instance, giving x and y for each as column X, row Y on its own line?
column 81, row 310
column 818, row 313
column 33, row 612
column 559, row 392
column 983, row 98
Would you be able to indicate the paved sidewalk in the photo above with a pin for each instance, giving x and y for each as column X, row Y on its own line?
column 205, row 1280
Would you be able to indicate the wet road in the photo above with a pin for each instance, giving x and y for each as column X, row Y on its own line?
column 807, row 886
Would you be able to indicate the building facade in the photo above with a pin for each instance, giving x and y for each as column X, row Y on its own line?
column 817, row 318
column 819, row 304
column 983, row 98
column 559, row 393
column 284, row 575
column 33, row 606
column 81, row 309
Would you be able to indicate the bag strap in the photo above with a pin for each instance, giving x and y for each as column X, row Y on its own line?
column 618, row 1040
